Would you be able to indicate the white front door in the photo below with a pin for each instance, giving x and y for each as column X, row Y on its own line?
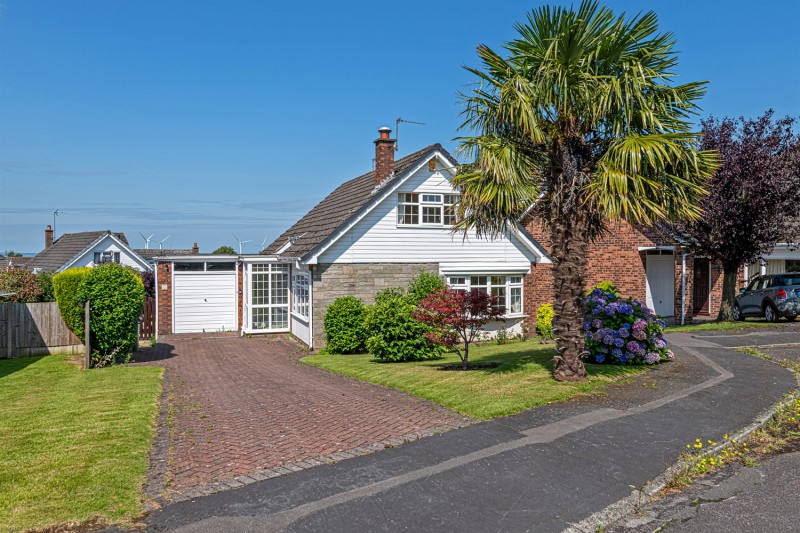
column 660, row 271
column 204, row 301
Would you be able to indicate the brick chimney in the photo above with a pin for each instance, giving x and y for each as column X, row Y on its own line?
column 195, row 249
column 48, row 237
column 384, row 155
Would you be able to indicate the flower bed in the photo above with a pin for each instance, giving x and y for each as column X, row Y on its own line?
column 623, row 330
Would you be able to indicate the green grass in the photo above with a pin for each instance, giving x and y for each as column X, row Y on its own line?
column 521, row 381
column 74, row 443
column 714, row 325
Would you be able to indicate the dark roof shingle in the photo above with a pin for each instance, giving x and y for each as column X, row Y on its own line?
column 66, row 248
column 153, row 253
column 336, row 208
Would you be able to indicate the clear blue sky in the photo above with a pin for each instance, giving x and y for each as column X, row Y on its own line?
column 202, row 119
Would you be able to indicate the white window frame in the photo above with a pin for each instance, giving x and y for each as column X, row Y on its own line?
column 107, row 256
column 463, row 282
column 301, row 294
column 426, row 201
column 255, row 269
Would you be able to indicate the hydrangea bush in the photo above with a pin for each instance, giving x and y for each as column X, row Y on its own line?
column 623, row 330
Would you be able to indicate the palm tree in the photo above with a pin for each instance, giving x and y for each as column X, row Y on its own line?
column 579, row 125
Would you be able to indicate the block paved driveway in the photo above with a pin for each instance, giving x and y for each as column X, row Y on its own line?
column 243, row 405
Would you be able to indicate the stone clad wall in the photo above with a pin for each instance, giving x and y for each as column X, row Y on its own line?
column 362, row 280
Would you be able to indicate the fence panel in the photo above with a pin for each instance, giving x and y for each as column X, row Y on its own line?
column 35, row 329
column 147, row 326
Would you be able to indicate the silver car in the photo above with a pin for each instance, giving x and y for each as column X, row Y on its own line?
column 772, row 296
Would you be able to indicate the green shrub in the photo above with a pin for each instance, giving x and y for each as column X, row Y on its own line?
column 605, row 286
column 22, row 284
column 394, row 335
column 344, row 326
column 423, row 285
column 116, row 296
column 544, row 321
column 45, row 281
column 65, row 289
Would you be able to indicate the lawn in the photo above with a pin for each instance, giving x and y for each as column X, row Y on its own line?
column 714, row 325
column 74, row 443
column 521, row 381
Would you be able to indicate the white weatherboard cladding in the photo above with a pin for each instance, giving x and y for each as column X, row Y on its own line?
column 301, row 328
column 204, row 301
column 377, row 238
column 107, row 244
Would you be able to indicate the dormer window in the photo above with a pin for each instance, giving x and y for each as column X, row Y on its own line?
column 426, row 209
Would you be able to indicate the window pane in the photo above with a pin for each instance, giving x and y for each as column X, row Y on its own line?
column 479, row 280
column 408, row 214
column 515, row 300
column 500, row 294
column 280, row 286
column 431, row 215
column 458, row 281
column 280, row 318
column 217, row 267
column 260, row 318
column 449, row 215
column 280, row 268
column 432, row 198
column 515, row 280
column 498, row 280
column 189, row 267
column 260, row 267
column 451, row 199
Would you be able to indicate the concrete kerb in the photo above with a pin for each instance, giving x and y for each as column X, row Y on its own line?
column 645, row 494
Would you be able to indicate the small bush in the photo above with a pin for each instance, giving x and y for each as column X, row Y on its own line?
column 65, row 289
column 23, row 285
column 544, row 321
column 45, row 281
column 344, row 326
column 423, row 285
column 394, row 335
column 605, row 286
column 622, row 331
column 149, row 282
column 116, row 296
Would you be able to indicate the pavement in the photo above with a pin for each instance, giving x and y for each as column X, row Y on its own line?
column 547, row 469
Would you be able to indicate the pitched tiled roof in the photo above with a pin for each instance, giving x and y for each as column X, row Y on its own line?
column 153, row 253
column 336, row 208
column 66, row 248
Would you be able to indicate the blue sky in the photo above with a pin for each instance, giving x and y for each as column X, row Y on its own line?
column 203, row 119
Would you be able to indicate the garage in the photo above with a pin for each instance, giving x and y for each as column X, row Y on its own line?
column 204, row 296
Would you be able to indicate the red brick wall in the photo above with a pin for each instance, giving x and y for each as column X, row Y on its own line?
column 240, row 299
column 164, row 297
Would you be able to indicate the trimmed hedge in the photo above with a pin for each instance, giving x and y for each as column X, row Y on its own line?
column 116, row 295
column 394, row 334
column 343, row 326
column 65, row 288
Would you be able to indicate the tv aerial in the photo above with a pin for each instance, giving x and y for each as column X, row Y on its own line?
column 397, row 129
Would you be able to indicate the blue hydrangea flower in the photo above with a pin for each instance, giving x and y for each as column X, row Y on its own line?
column 623, row 359
column 623, row 333
column 616, row 352
column 599, row 358
column 619, row 343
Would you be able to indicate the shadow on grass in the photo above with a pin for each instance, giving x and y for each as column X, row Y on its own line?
column 9, row 366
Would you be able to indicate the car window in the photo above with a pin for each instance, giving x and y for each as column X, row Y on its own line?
column 787, row 281
column 753, row 284
column 766, row 283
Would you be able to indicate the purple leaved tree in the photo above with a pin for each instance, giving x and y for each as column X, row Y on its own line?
column 753, row 199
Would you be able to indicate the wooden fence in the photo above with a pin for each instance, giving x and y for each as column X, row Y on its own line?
column 35, row 329
column 147, row 325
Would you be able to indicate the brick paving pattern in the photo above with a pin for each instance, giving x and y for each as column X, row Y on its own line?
column 242, row 406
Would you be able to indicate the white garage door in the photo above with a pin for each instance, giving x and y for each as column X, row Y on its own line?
column 661, row 284
column 204, row 301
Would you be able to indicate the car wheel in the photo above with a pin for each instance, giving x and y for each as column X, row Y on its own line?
column 737, row 312
column 770, row 313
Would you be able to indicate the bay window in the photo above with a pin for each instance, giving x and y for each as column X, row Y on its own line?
column 506, row 289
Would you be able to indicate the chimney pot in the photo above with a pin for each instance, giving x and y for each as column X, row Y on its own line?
column 384, row 155
column 195, row 249
column 48, row 237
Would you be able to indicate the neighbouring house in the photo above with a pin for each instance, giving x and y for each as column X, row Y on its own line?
column 785, row 257
column 646, row 264
column 151, row 255
column 88, row 248
column 14, row 262
column 373, row 232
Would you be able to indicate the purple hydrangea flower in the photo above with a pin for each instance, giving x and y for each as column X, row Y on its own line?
column 597, row 323
column 639, row 335
column 608, row 339
column 632, row 346
column 661, row 344
column 652, row 358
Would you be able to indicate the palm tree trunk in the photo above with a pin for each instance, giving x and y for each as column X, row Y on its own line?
column 570, row 235
column 728, row 294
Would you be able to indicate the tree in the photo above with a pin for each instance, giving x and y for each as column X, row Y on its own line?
column 22, row 284
column 224, row 250
column 457, row 318
column 12, row 253
column 753, row 197
column 579, row 125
